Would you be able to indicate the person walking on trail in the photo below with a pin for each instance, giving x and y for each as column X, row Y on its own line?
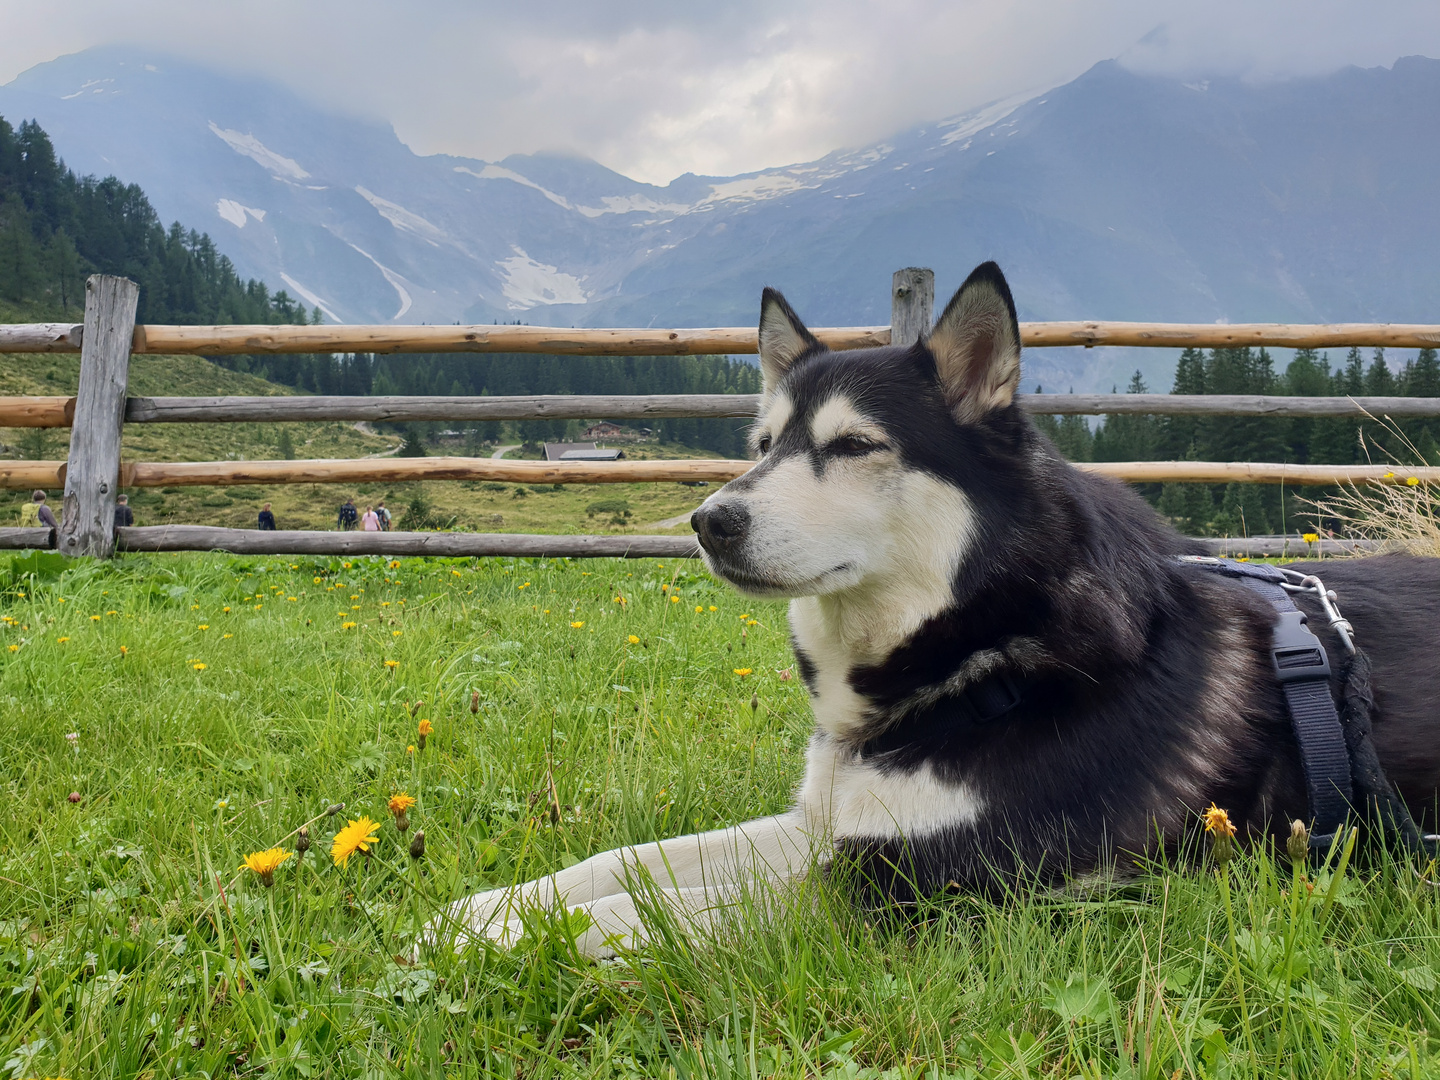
column 124, row 516
column 267, row 519
column 371, row 521
column 348, row 516
column 383, row 515
column 35, row 513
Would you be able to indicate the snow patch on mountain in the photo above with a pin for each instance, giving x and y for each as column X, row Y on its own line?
column 403, row 219
column 247, row 145
column 309, row 297
column 496, row 172
column 396, row 282
column 967, row 124
column 528, row 283
column 235, row 212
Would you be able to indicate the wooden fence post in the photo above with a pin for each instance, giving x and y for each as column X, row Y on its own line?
column 87, row 526
column 912, row 304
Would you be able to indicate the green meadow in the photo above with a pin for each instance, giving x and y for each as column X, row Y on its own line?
column 166, row 717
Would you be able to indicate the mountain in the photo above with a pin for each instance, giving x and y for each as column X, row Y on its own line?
column 1115, row 196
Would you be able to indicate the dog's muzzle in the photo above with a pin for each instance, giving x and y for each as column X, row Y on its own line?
column 722, row 527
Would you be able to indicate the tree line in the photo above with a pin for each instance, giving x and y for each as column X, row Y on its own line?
column 57, row 228
column 1257, row 509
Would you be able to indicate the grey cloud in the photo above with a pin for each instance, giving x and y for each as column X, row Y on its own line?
column 655, row 89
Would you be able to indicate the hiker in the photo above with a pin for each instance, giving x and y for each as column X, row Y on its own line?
column 383, row 515
column 371, row 521
column 267, row 519
column 124, row 516
column 35, row 513
column 348, row 515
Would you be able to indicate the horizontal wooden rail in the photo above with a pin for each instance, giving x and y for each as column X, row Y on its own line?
column 13, row 538
column 1292, row 547
column 53, row 412
column 50, row 474
column 539, row 407
column 219, row 340
column 297, row 542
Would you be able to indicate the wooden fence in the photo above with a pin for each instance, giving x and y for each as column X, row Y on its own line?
column 93, row 471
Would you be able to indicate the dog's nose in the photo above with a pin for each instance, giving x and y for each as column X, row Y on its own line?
column 720, row 526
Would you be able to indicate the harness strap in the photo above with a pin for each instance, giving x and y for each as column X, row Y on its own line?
column 1303, row 670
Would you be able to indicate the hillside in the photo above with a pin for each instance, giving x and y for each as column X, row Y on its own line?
column 1118, row 195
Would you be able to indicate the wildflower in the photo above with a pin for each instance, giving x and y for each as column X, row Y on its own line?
column 14, row 648
column 699, row 608
column 398, row 805
column 302, row 841
column 474, row 702
column 396, row 633
column 198, row 666
column 357, row 836
column 392, row 664
column 61, row 640
column 346, row 565
column 203, row 626
column 291, row 599
column 94, row 618
column 347, row 626
column 752, row 622
column 633, row 640
column 754, row 702
column 1412, row 481
column 1222, row 831
column 745, row 616
column 73, row 738
column 426, row 729
column 576, row 625
column 221, row 804
column 224, row 636
column 1297, row 845
column 112, row 613
column 417, row 845
column 74, row 797
column 225, row 611
column 1309, row 538
column 410, row 749
column 394, row 564
column 124, row 651
column 714, row 608
column 674, row 599
column 743, row 671
column 265, row 863
column 525, row 586
column 259, row 606
column 786, row 675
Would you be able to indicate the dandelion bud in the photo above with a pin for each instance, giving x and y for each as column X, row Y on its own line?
column 1222, row 834
column 1298, row 844
column 754, row 702
column 334, row 808
column 423, row 732
column 74, row 796
column 302, row 841
column 417, row 844
column 402, row 821
column 1223, row 849
column 474, row 702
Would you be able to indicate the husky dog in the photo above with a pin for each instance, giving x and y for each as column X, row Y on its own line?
column 941, row 555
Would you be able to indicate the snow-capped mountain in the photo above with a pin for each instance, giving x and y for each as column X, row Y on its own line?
column 1114, row 196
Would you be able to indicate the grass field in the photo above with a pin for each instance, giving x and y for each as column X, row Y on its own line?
column 165, row 717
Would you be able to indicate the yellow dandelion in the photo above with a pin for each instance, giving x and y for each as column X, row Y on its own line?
column 203, row 626
column 400, row 802
column 743, row 671
column 61, row 640
column 198, row 666
column 633, row 640
column 1217, row 821
column 525, row 586
column 347, row 626
column 346, row 565
column 396, row 633
column 745, row 616
column 357, row 836
column 410, row 749
column 576, row 625
column 259, row 606
column 394, row 564
column 14, row 648
column 124, row 651
column 1412, row 481
column 225, row 611
column 291, row 599
column 265, row 863
column 112, row 613
column 714, row 608
column 1309, row 538
column 426, row 728
column 392, row 664
column 674, row 599
column 94, row 618
column 224, row 636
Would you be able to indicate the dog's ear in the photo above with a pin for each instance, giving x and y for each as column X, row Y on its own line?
column 783, row 337
column 976, row 344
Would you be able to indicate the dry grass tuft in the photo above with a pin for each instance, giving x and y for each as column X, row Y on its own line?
column 1400, row 515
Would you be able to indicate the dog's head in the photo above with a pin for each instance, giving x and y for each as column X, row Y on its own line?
column 870, row 460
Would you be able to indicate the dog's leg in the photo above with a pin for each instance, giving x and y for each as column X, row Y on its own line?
column 774, row 849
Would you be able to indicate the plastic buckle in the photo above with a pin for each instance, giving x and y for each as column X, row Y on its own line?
column 1296, row 653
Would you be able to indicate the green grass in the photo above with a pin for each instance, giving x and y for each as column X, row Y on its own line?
column 130, row 945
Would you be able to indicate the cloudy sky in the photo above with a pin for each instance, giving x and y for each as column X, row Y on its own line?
column 654, row 89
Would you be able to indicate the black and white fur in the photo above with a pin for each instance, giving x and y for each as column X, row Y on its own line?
column 930, row 536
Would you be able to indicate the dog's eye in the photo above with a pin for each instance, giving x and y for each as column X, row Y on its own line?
column 855, row 445
column 764, row 444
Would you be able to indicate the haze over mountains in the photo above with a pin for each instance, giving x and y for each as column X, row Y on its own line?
column 1115, row 196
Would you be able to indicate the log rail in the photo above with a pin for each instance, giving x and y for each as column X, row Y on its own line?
column 93, row 468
